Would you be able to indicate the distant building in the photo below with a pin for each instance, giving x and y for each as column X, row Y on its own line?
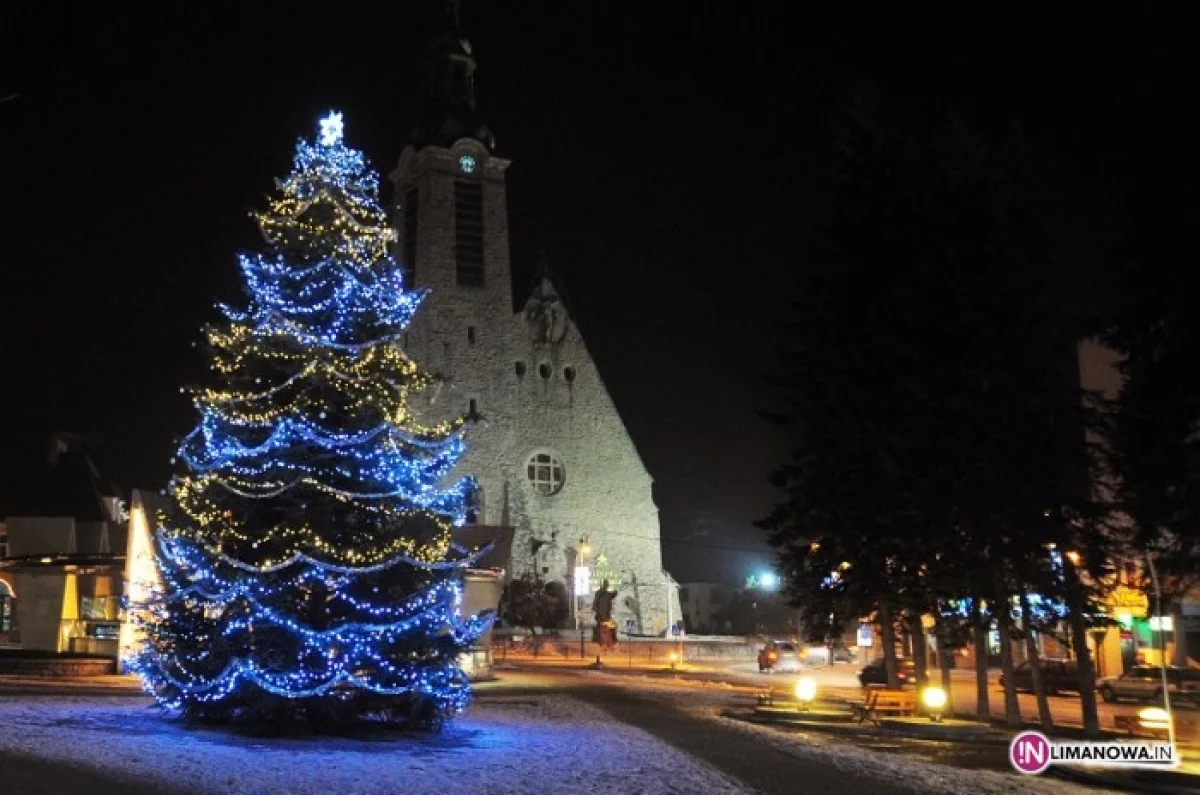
column 701, row 603
column 550, row 452
column 61, row 581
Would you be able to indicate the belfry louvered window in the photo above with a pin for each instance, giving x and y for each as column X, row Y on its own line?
column 410, row 238
column 468, row 232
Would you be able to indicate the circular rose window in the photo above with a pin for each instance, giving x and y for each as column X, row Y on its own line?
column 545, row 473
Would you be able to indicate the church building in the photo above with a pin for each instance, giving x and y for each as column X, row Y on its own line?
column 549, row 450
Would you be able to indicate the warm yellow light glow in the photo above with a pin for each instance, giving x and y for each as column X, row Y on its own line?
column 1154, row 718
column 1073, row 556
column 806, row 689
column 47, row 560
column 934, row 698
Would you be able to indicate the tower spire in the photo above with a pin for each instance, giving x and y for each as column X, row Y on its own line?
column 448, row 88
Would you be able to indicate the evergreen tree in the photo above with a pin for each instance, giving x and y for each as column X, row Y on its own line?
column 307, row 568
column 929, row 369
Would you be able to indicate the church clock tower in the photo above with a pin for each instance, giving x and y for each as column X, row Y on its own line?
column 451, row 217
column 551, row 455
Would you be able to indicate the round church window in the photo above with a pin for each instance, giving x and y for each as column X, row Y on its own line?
column 545, row 473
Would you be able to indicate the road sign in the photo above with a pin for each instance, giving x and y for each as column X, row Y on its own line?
column 677, row 629
column 630, row 626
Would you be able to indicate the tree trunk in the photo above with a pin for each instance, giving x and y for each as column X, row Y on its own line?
column 1083, row 655
column 916, row 631
column 1012, row 707
column 945, row 661
column 887, row 635
column 979, row 629
column 1045, row 718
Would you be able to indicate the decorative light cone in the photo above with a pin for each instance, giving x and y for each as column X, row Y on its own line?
column 934, row 699
column 806, row 691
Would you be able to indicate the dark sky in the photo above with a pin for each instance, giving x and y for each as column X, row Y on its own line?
column 670, row 158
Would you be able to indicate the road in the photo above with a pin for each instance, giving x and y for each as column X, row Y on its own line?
column 773, row 761
column 841, row 682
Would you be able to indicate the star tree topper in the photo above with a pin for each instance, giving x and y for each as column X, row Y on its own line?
column 331, row 129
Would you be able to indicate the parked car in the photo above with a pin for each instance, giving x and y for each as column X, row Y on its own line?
column 779, row 655
column 1059, row 676
column 1144, row 683
column 876, row 674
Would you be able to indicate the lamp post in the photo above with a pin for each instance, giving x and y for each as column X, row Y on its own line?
column 1162, row 636
column 582, row 585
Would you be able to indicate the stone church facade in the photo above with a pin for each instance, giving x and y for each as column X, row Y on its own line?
column 549, row 450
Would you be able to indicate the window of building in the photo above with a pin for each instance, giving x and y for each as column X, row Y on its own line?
column 410, row 238
column 545, row 472
column 472, row 408
column 98, row 608
column 569, row 374
column 3, row 544
column 470, row 335
column 520, row 368
column 544, row 370
column 6, row 609
column 468, row 232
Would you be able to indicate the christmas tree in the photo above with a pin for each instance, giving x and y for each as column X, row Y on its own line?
column 306, row 569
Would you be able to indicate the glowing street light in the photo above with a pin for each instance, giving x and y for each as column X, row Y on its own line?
column 768, row 581
column 934, row 699
column 806, row 692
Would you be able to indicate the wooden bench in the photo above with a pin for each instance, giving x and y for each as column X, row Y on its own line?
column 885, row 702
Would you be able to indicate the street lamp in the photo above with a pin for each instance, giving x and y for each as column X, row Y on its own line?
column 806, row 692
column 1162, row 667
column 934, row 699
column 768, row 581
column 583, row 584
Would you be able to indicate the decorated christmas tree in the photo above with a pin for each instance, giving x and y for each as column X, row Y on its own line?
column 306, row 568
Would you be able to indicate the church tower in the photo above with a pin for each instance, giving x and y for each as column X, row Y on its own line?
column 451, row 217
column 549, row 450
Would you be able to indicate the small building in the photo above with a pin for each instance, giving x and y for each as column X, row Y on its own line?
column 61, row 581
column 701, row 602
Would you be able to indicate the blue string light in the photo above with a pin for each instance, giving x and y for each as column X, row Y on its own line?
column 308, row 556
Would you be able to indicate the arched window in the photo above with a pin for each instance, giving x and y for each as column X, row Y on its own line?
column 7, row 594
column 475, row 505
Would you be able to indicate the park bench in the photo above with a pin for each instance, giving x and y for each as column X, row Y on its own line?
column 885, row 702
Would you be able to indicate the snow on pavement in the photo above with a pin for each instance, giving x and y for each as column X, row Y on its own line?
column 514, row 744
column 706, row 701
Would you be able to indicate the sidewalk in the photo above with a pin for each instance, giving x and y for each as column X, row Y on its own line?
column 114, row 685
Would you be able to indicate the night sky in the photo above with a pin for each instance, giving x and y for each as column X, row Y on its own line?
column 671, row 159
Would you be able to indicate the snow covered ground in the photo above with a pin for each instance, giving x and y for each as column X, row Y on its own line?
column 707, row 700
column 510, row 744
